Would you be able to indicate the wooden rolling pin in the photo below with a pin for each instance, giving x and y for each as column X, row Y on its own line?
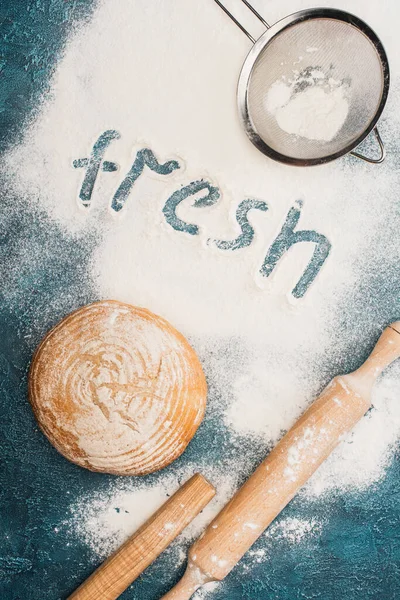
column 128, row 562
column 292, row 462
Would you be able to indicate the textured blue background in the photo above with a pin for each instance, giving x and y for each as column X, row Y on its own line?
column 357, row 555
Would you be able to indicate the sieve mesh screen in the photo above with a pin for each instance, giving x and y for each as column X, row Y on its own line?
column 315, row 88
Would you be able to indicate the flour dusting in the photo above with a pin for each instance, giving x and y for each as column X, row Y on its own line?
column 105, row 521
column 293, row 530
column 357, row 462
column 266, row 354
column 206, row 591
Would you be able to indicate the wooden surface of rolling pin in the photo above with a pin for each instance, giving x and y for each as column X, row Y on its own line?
column 128, row 562
column 286, row 469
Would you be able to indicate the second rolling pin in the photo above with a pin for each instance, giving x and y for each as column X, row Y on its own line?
column 128, row 562
column 287, row 468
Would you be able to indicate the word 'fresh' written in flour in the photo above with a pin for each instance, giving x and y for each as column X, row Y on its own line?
column 209, row 196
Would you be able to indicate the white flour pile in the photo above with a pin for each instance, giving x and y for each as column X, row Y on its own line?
column 310, row 105
column 266, row 355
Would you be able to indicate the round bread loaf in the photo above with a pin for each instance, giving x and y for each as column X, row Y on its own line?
column 117, row 389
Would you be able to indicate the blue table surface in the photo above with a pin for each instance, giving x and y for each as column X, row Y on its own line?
column 357, row 555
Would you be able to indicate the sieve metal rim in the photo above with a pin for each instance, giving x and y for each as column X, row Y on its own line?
column 265, row 39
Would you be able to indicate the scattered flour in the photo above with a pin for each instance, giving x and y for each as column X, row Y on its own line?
column 105, row 521
column 360, row 460
column 266, row 356
column 207, row 590
column 316, row 110
column 293, row 530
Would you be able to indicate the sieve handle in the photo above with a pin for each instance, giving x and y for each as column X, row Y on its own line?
column 241, row 27
column 368, row 159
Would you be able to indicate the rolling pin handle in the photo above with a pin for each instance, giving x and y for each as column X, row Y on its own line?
column 386, row 350
column 193, row 579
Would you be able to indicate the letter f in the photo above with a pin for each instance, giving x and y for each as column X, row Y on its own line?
column 93, row 164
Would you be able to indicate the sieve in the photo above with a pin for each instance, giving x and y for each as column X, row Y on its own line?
column 306, row 56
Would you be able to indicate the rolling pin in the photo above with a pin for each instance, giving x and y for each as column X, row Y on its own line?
column 286, row 469
column 139, row 551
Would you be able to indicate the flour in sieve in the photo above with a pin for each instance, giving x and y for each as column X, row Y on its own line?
column 310, row 105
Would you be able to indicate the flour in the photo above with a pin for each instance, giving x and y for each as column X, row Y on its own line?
column 207, row 589
column 105, row 521
column 265, row 355
column 317, row 110
column 357, row 462
column 361, row 459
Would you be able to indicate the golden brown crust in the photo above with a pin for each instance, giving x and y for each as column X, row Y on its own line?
column 117, row 389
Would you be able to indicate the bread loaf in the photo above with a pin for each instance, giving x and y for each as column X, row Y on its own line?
column 117, row 389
